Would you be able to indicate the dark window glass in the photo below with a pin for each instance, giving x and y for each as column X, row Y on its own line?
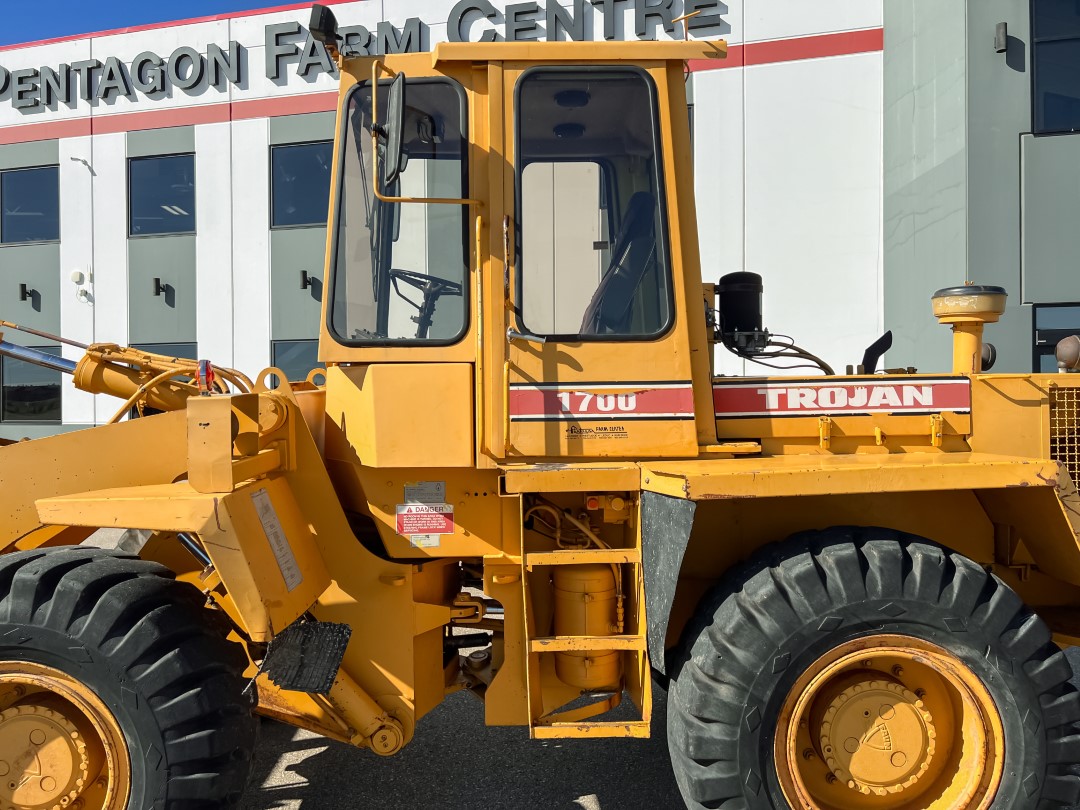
column 1056, row 18
column 30, row 205
column 295, row 357
column 162, row 194
column 29, row 393
column 1052, row 322
column 301, row 183
column 183, row 351
column 1056, row 63
column 593, row 251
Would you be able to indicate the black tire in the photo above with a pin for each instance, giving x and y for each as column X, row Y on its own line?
column 759, row 630
column 147, row 646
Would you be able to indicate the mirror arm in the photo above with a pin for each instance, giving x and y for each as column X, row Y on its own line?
column 377, row 129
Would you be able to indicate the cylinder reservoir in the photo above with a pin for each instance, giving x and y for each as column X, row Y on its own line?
column 585, row 606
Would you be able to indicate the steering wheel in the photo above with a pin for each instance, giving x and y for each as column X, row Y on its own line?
column 432, row 287
column 429, row 285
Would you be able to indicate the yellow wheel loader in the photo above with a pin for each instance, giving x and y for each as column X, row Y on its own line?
column 518, row 475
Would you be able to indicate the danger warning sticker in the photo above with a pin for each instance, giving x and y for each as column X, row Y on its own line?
column 425, row 518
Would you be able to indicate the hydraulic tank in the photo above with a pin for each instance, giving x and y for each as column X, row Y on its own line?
column 585, row 606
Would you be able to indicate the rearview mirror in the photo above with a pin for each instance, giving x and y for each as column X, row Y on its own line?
column 394, row 130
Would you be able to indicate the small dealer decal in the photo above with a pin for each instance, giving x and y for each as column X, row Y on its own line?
column 838, row 397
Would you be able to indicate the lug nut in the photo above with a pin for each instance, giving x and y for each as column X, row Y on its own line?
column 808, row 753
column 897, row 671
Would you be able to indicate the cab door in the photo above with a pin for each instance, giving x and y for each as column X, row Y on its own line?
column 599, row 359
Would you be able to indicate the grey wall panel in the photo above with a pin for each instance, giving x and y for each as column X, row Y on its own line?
column 169, row 317
column 295, row 312
column 168, row 141
column 1051, row 206
column 38, row 267
column 34, row 153
column 15, row 431
column 301, row 128
column 925, row 172
column 999, row 108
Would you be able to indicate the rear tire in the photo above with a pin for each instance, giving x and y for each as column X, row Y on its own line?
column 82, row 628
column 774, row 625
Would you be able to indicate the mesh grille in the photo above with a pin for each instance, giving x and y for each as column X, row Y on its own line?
column 1065, row 428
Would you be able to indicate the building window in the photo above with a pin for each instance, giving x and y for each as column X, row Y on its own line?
column 181, row 351
column 1056, row 64
column 161, row 194
column 29, row 393
column 30, row 205
column 295, row 357
column 1053, row 322
column 300, row 184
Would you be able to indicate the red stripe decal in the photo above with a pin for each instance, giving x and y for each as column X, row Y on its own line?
column 801, row 398
column 796, row 48
column 567, row 403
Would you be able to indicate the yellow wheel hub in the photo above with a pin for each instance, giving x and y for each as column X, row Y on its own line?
column 877, row 737
column 889, row 723
column 60, row 746
column 43, row 761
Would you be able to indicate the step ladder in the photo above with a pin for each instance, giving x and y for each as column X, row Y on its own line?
column 637, row 678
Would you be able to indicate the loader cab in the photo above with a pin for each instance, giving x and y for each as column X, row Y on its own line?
column 521, row 280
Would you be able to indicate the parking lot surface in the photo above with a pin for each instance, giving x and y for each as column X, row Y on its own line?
column 457, row 762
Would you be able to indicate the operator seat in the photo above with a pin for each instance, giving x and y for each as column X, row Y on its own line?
column 635, row 246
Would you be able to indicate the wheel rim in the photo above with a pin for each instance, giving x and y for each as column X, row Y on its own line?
column 60, row 746
column 890, row 723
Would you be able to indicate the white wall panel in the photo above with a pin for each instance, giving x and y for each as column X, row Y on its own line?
column 777, row 19
column 213, row 242
column 251, row 245
column 813, row 200
column 110, row 247
column 76, row 254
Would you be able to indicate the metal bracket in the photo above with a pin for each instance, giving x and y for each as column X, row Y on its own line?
column 305, row 280
column 825, row 432
column 937, row 429
column 159, row 288
column 25, row 293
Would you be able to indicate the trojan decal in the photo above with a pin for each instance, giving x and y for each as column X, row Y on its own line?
column 742, row 398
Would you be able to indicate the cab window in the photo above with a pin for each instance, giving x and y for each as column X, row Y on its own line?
column 400, row 268
column 592, row 241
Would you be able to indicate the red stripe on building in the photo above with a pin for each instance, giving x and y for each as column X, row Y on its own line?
column 71, row 128
column 569, row 403
column 287, row 105
column 796, row 49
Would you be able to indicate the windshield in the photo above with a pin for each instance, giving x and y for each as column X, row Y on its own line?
column 400, row 268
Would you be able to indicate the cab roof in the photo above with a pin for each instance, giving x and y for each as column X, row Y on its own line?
column 578, row 52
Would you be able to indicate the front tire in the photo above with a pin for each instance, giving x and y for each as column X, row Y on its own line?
column 862, row 668
column 118, row 688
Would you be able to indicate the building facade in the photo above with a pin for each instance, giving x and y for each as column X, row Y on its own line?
column 982, row 170
column 166, row 186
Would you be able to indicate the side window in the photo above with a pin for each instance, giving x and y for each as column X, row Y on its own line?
column 1056, row 65
column 300, row 177
column 161, row 195
column 295, row 357
column 592, row 250
column 30, row 205
column 29, row 393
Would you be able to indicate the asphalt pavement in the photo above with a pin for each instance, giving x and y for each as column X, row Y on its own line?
column 457, row 762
